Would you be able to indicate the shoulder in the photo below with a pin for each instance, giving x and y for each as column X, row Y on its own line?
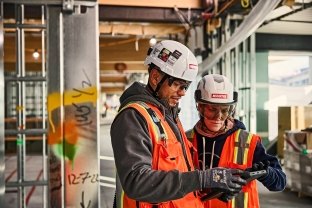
column 128, row 114
column 190, row 134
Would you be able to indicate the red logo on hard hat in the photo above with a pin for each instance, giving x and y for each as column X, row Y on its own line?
column 220, row 96
column 192, row 66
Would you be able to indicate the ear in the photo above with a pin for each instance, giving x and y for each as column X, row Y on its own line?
column 154, row 77
column 199, row 107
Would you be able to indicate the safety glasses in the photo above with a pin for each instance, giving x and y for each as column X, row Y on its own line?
column 216, row 111
column 178, row 84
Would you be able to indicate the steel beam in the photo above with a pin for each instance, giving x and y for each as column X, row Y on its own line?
column 141, row 14
column 117, row 13
column 265, row 42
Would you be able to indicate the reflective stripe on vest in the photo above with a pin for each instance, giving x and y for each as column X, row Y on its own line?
column 241, row 148
column 153, row 119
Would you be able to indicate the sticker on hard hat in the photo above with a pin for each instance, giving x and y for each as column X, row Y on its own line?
column 174, row 57
column 192, row 66
column 164, row 54
column 219, row 96
column 176, row 54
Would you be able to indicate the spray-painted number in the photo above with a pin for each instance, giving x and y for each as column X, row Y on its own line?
column 74, row 179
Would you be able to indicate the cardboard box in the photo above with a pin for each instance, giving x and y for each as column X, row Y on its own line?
column 296, row 141
column 309, row 140
column 292, row 118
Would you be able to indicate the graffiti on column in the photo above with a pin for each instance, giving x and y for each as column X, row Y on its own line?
column 73, row 139
column 82, row 204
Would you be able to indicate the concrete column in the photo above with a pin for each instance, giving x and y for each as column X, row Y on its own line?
column 73, row 118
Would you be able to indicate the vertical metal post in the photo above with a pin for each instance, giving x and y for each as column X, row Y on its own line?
column 228, row 70
column 214, row 46
column 44, row 110
column 2, row 163
column 73, row 86
column 20, row 108
column 253, row 81
column 244, row 83
column 310, row 74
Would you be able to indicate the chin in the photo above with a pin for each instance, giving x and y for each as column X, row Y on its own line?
column 173, row 104
column 214, row 129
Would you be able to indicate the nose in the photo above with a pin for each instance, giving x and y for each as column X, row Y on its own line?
column 218, row 115
column 182, row 91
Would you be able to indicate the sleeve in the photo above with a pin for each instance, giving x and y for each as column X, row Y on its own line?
column 132, row 149
column 275, row 180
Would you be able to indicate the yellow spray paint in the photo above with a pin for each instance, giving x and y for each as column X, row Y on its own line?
column 69, row 136
column 70, row 97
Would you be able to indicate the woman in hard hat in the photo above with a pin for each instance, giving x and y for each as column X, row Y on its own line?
column 222, row 141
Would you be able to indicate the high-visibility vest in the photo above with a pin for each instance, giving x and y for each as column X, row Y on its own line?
column 165, row 149
column 237, row 152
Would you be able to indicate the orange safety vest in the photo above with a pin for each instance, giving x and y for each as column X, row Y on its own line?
column 165, row 148
column 237, row 152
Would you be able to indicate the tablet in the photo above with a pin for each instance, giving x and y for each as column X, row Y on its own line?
column 249, row 176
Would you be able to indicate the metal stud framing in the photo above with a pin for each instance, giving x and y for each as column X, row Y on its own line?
column 18, row 86
column 70, row 179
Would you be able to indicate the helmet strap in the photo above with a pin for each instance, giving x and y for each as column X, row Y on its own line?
column 155, row 92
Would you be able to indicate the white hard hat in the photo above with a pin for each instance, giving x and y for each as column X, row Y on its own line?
column 215, row 89
column 174, row 59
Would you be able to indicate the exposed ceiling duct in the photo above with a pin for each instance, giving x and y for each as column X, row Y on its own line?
column 252, row 21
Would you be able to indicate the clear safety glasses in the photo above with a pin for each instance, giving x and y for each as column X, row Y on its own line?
column 215, row 111
column 178, row 84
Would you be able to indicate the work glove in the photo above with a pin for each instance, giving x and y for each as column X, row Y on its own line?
column 222, row 179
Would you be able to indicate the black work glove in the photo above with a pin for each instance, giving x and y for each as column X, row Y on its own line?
column 222, row 179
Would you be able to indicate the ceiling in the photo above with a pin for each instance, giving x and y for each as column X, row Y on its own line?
column 294, row 20
column 126, row 28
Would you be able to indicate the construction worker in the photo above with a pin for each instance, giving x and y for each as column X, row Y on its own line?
column 222, row 141
column 151, row 151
